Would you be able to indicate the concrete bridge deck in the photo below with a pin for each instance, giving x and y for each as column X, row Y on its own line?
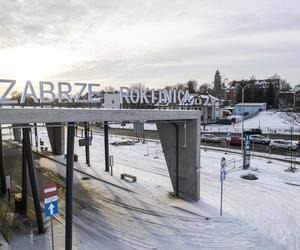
column 62, row 115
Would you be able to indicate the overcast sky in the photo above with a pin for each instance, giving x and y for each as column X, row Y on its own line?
column 156, row 42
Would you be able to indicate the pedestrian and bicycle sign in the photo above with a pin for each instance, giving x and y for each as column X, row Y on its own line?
column 51, row 206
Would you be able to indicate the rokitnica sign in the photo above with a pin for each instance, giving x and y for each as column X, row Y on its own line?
column 133, row 95
column 63, row 91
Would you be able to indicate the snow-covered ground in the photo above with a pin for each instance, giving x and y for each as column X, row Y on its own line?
column 268, row 121
column 147, row 126
column 260, row 214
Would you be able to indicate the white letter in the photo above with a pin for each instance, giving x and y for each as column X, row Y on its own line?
column 124, row 93
column 168, row 95
column 161, row 97
column 180, row 93
column 25, row 94
column 6, row 92
column 174, row 95
column 137, row 95
column 64, row 92
column 90, row 91
column 49, row 91
column 153, row 96
column 80, row 92
column 144, row 96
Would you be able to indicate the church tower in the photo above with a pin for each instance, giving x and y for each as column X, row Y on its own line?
column 217, row 85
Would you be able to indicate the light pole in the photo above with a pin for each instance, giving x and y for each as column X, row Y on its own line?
column 291, row 148
column 243, row 92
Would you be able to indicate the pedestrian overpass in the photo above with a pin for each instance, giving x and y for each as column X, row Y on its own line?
column 179, row 133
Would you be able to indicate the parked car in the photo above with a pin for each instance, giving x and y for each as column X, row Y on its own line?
column 210, row 138
column 259, row 139
column 283, row 144
column 235, row 140
column 253, row 131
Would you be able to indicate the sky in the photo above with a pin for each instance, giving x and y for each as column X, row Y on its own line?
column 155, row 42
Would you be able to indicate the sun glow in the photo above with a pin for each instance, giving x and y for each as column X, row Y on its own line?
column 34, row 64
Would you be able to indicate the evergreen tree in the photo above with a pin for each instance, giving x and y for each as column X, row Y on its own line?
column 270, row 96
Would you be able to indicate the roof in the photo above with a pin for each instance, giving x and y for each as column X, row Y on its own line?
column 251, row 104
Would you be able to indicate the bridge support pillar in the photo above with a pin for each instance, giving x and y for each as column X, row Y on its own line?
column 56, row 135
column 181, row 146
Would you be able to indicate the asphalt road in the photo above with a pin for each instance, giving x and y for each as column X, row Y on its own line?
column 153, row 134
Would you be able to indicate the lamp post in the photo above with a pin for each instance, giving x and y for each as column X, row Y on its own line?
column 291, row 128
column 243, row 92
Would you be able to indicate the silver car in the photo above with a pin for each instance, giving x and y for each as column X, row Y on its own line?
column 259, row 139
column 283, row 144
column 210, row 138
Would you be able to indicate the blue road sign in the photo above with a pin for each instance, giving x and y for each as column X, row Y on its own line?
column 247, row 142
column 51, row 206
column 222, row 175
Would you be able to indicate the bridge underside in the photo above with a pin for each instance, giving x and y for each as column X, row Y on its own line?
column 179, row 132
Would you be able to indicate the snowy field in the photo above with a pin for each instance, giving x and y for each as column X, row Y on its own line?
column 260, row 214
column 268, row 121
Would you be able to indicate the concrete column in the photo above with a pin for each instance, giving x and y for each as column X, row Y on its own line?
column 17, row 132
column 2, row 172
column 188, row 179
column 56, row 135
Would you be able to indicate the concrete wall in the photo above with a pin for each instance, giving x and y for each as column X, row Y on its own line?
column 56, row 137
column 189, row 156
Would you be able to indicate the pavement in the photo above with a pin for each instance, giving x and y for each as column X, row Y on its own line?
column 3, row 243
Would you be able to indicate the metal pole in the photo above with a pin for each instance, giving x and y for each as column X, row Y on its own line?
column 24, row 179
column 2, row 174
column 291, row 148
column 87, row 145
column 33, row 182
column 106, row 146
column 69, row 186
column 221, row 206
column 242, row 121
column 177, row 160
column 36, row 135
column 52, row 234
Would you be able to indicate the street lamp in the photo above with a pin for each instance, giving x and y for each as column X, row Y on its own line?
column 243, row 92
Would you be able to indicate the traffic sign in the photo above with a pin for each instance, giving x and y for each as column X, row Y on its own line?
column 50, row 190
column 228, row 135
column 247, row 142
column 51, row 206
column 85, row 141
column 222, row 175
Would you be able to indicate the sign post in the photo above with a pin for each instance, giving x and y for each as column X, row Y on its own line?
column 51, row 205
column 222, row 178
column 246, row 156
column 228, row 136
column 111, row 163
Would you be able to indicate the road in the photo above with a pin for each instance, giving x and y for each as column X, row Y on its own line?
column 153, row 134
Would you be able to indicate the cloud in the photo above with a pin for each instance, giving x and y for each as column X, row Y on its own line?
column 152, row 41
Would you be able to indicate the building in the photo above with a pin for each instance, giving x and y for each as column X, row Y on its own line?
column 207, row 104
column 218, row 86
column 249, row 108
column 257, row 91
